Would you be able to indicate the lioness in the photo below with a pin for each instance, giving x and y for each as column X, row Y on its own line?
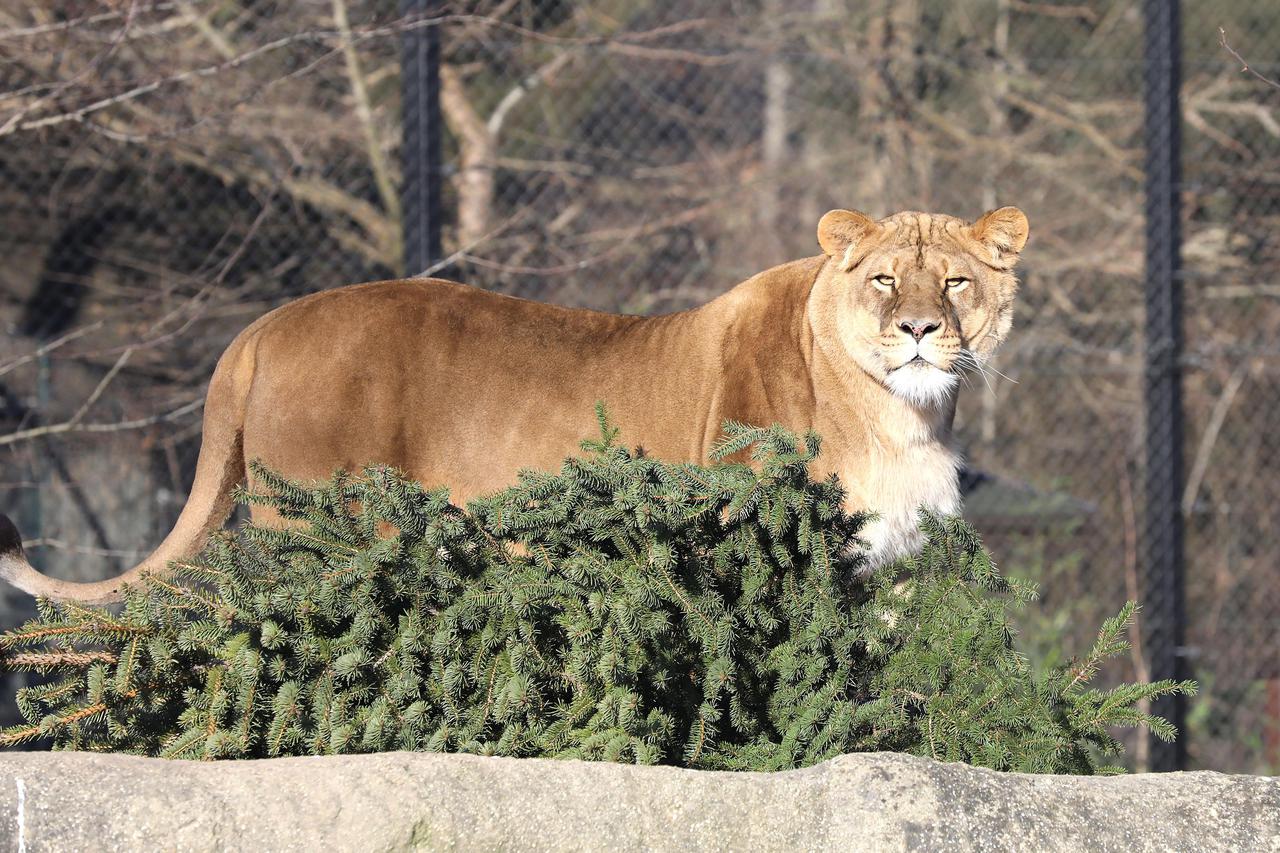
column 457, row 386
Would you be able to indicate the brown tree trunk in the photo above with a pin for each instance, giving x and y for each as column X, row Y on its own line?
column 477, row 159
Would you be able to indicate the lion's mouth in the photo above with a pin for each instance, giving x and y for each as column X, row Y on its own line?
column 909, row 358
column 919, row 362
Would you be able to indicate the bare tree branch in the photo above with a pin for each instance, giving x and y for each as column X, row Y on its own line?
column 364, row 112
column 217, row 40
column 76, row 23
column 15, row 120
column 1245, row 68
column 45, row 349
column 527, row 84
column 118, row 426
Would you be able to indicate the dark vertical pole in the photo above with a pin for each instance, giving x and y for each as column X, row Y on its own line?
column 1162, row 564
column 420, row 93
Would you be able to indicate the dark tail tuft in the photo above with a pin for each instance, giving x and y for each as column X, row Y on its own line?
column 10, row 538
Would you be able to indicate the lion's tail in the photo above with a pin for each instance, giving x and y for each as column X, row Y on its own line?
column 219, row 469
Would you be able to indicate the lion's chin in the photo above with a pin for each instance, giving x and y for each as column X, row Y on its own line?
column 922, row 384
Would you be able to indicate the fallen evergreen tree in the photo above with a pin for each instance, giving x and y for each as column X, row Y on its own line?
column 623, row 609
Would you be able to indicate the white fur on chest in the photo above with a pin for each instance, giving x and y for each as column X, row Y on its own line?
column 896, row 488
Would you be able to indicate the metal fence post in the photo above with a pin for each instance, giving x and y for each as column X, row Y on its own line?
column 1162, row 552
column 420, row 149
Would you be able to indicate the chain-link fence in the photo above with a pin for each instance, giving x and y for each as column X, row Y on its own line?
column 172, row 170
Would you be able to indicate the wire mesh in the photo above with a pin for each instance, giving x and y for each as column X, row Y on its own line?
column 172, row 170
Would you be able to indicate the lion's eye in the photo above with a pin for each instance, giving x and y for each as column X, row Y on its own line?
column 883, row 280
column 957, row 283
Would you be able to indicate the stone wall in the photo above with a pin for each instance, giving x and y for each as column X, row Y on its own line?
column 405, row 801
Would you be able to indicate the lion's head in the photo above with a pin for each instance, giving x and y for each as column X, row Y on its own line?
column 917, row 298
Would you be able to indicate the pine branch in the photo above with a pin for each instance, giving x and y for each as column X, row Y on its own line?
column 621, row 609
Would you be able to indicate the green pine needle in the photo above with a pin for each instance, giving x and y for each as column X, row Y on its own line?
column 623, row 609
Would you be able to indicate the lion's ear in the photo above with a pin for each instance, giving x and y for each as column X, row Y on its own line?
column 840, row 229
column 1002, row 233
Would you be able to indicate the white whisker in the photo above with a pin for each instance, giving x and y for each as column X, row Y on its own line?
column 970, row 360
column 985, row 379
column 1001, row 375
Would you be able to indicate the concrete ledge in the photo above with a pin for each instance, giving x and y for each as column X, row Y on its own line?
column 408, row 801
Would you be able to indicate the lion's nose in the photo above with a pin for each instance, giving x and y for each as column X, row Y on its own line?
column 918, row 328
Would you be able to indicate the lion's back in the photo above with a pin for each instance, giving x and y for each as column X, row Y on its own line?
column 413, row 311
column 451, row 383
